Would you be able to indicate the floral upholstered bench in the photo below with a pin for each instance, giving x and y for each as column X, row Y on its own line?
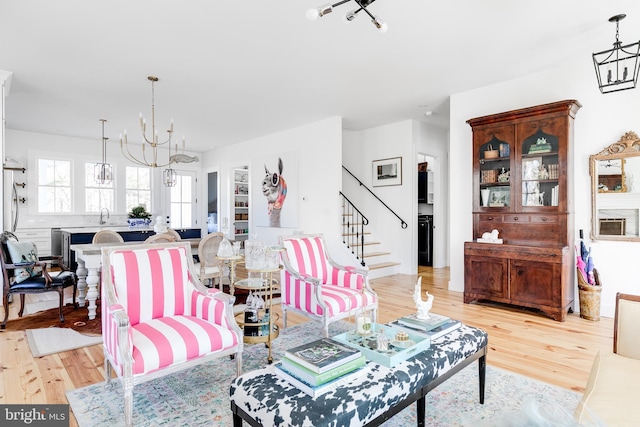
column 263, row 399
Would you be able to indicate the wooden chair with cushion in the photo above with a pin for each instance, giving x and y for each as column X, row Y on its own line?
column 210, row 266
column 317, row 287
column 160, row 238
column 23, row 272
column 614, row 382
column 107, row 236
column 158, row 319
column 174, row 233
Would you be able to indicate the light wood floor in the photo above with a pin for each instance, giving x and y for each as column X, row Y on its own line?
column 528, row 343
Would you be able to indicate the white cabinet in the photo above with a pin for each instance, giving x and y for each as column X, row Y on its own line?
column 41, row 237
column 241, row 203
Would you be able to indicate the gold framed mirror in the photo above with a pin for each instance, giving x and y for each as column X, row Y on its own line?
column 615, row 190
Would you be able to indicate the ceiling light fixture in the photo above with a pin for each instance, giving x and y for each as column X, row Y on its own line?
column 617, row 68
column 153, row 142
column 313, row 14
column 103, row 171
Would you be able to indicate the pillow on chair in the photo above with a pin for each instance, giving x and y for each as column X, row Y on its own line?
column 24, row 252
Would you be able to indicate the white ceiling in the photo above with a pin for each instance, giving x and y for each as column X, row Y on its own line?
column 234, row 70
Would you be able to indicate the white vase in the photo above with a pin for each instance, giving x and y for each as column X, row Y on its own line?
column 485, row 196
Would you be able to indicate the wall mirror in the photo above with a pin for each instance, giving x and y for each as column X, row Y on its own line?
column 615, row 190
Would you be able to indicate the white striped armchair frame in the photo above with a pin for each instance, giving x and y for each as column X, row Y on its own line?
column 315, row 286
column 157, row 318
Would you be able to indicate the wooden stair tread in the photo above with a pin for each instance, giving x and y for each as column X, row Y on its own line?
column 370, row 254
column 382, row 265
column 365, row 243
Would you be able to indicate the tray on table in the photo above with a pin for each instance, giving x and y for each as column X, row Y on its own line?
column 396, row 354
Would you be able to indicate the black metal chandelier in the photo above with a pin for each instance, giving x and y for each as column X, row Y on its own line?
column 617, row 68
column 313, row 14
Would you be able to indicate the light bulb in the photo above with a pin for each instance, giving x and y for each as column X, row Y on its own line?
column 382, row 26
column 312, row 14
column 351, row 15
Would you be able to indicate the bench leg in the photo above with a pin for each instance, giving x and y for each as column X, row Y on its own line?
column 421, row 411
column 482, row 367
column 237, row 420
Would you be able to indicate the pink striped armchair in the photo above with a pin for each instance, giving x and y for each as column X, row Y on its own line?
column 317, row 287
column 157, row 318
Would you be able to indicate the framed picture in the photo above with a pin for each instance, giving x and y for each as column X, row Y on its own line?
column 531, row 168
column 387, row 172
column 499, row 197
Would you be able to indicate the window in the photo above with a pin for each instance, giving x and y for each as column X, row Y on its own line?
column 97, row 196
column 138, row 187
column 54, row 186
column 182, row 201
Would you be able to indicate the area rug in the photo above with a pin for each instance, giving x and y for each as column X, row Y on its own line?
column 200, row 397
column 74, row 318
column 54, row 340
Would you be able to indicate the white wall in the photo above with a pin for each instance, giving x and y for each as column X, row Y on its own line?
column 600, row 122
column 318, row 147
column 360, row 149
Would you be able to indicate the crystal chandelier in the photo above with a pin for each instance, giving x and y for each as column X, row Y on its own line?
column 103, row 171
column 169, row 175
column 617, row 68
column 313, row 14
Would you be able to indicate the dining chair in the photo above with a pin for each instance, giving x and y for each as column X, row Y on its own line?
column 174, row 233
column 24, row 272
column 210, row 266
column 107, row 236
column 160, row 238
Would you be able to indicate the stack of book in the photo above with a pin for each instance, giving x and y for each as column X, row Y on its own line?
column 321, row 366
column 434, row 327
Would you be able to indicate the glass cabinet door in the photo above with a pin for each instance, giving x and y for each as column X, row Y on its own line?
column 539, row 170
column 495, row 174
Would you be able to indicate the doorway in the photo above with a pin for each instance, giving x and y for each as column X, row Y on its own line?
column 212, row 202
column 426, row 200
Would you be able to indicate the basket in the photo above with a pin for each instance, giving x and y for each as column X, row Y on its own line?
column 589, row 298
column 490, row 153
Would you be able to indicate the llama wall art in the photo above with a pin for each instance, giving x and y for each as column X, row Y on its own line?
column 274, row 188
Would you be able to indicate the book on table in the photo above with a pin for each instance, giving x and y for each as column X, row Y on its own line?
column 433, row 321
column 322, row 355
column 313, row 378
column 319, row 390
column 434, row 333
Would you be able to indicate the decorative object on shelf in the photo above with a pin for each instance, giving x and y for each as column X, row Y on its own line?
column 492, row 237
column 169, row 174
column 313, row 14
column 490, row 153
column 103, row 170
column 484, row 193
column 422, row 306
column 617, row 68
column 504, row 175
column 139, row 217
column 387, row 172
column 504, row 149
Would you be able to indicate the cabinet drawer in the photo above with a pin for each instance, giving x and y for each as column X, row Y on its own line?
column 516, row 218
column 547, row 219
column 490, row 218
column 33, row 233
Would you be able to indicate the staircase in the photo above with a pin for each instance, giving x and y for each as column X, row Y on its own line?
column 379, row 262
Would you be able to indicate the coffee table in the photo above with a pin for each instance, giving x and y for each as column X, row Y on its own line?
column 263, row 399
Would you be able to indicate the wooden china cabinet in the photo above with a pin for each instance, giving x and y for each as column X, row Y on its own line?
column 523, row 187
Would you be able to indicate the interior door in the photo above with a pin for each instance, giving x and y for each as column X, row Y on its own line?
column 183, row 201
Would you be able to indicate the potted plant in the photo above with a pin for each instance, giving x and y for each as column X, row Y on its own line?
column 139, row 217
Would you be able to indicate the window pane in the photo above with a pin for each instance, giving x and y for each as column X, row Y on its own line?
column 138, row 184
column 54, row 185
